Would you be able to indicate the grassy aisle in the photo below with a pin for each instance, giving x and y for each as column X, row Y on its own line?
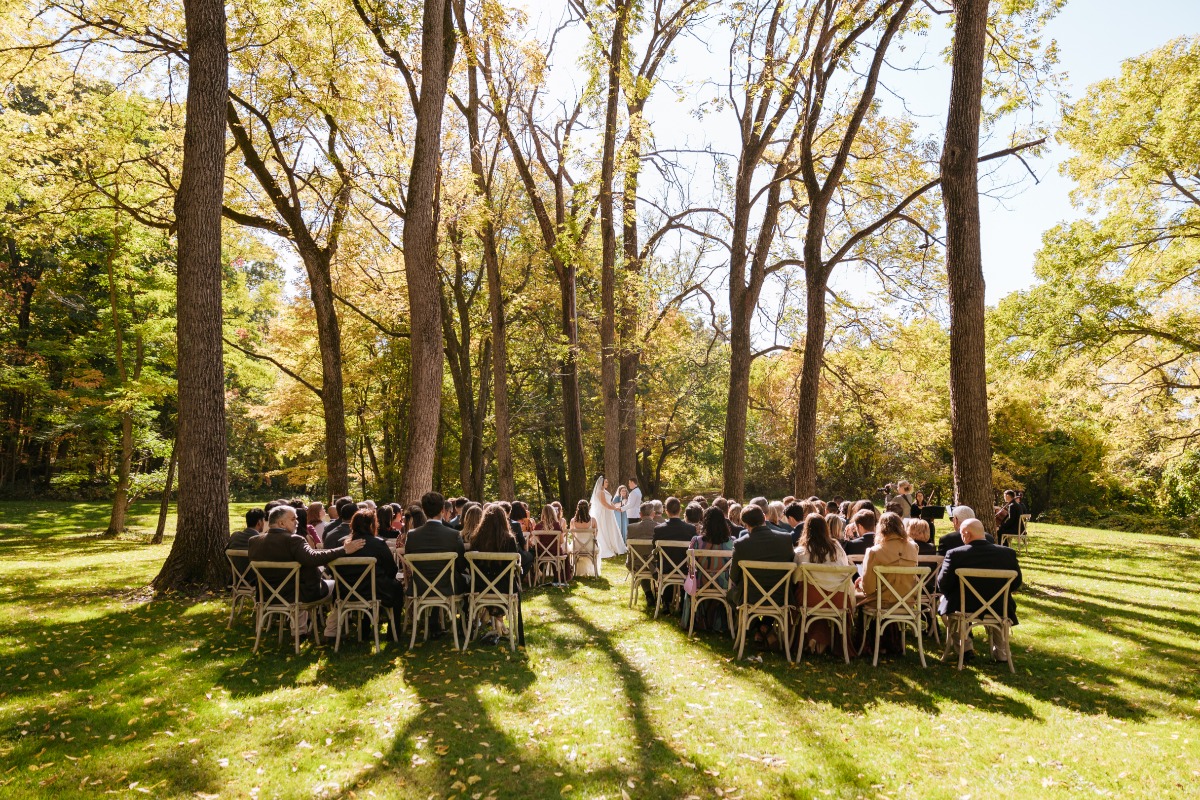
column 104, row 692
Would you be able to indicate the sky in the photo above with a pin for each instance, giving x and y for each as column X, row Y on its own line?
column 1093, row 37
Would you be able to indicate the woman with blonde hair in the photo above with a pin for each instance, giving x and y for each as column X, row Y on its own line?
column 549, row 532
column 472, row 516
column 892, row 548
column 836, row 527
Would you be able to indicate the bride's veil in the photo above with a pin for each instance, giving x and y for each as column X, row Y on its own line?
column 597, row 490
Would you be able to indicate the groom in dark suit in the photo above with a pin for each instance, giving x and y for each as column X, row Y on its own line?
column 977, row 553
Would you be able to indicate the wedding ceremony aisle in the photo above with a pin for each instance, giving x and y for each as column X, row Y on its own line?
column 106, row 692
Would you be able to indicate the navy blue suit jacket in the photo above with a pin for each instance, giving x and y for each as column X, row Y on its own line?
column 979, row 554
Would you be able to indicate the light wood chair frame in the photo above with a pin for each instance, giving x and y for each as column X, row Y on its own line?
column 640, row 565
column 930, row 598
column 592, row 551
column 1022, row 534
column 766, row 606
column 425, row 595
column 987, row 615
column 493, row 595
column 708, row 584
column 355, row 604
column 670, row 573
column 827, row 607
column 543, row 555
column 271, row 602
column 904, row 611
column 243, row 587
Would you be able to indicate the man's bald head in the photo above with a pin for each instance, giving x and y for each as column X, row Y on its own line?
column 971, row 529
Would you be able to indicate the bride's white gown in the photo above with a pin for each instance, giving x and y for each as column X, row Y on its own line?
column 608, row 534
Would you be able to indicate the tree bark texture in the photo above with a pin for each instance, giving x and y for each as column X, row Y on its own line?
column 421, row 254
column 116, row 520
column 964, row 264
column 608, row 267
column 197, row 552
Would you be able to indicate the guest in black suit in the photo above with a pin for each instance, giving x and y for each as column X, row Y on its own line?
column 977, row 553
column 256, row 523
column 455, row 522
column 1012, row 516
column 958, row 515
column 437, row 537
column 795, row 519
column 673, row 530
column 760, row 543
column 282, row 543
column 364, row 526
column 862, row 527
column 336, row 531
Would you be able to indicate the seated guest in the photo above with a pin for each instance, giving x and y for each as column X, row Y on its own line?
column 859, row 535
column 318, row 519
column 302, row 526
column 414, row 518
column 761, row 502
column 341, row 529
column 693, row 514
column 714, row 535
column 818, row 547
column 775, row 512
column 673, row 530
column 282, row 543
column 787, row 501
column 455, row 522
column 495, row 535
column 958, row 515
column 551, row 527
column 735, row 520
column 644, row 527
column 760, row 543
column 659, row 518
column 583, row 534
column 918, row 531
column 469, row 520
column 701, row 501
column 383, row 519
column 831, row 508
column 976, row 553
column 256, row 523
column 837, row 526
column 434, row 536
column 891, row 549
column 795, row 517
column 364, row 526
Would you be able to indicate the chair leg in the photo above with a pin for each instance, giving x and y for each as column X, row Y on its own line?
column 787, row 636
column 658, row 601
column 416, row 623
column 878, row 633
column 804, row 622
column 454, row 625
column 232, row 611
column 296, row 630
column 963, row 633
column 741, row 637
column 844, row 625
column 337, row 637
column 921, row 647
column 729, row 619
column 258, row 621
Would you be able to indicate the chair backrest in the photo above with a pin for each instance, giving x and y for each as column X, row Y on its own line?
column 641, row 556
column 934, row 565
column 543, row 543
column 829, row 600
column 709, row 566
column 423, row 586
column 504, row 583
column 354, row 580
column 902, row 603
column 995, row 607
column 274, row 580
column 672, row 558
column 857, row 558
column 757, row 576
column 1023, row 524
column 241, row 575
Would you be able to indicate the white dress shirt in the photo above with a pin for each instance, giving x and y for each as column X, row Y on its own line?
column 633, row 503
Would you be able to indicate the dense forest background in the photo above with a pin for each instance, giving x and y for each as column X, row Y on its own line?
column 594, row 267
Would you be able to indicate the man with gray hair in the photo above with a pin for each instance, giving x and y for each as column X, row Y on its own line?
column 658, row 512
column 282, row 543
column 976, row 553
column 958, row 515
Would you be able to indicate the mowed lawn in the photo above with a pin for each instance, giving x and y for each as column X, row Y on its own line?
column 105, row 692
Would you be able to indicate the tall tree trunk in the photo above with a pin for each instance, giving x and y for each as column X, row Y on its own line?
column 421, row 253
column 631, row 345
column 329, row 340
column 608, row 267
column 964, row 264
column 572, row 415
column 733, row 483
column 116, row 520
column 197, row 552
column 810, row 375
column 165, row 502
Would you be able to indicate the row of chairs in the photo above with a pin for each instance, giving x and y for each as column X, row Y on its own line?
column 667, row 564
column 274, row 588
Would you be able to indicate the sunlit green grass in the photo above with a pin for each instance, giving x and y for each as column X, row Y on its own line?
column 104, row 691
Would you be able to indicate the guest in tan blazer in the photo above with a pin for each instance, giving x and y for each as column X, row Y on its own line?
column 892, row 548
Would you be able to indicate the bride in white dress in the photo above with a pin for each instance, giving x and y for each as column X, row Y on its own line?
column 608, row 533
